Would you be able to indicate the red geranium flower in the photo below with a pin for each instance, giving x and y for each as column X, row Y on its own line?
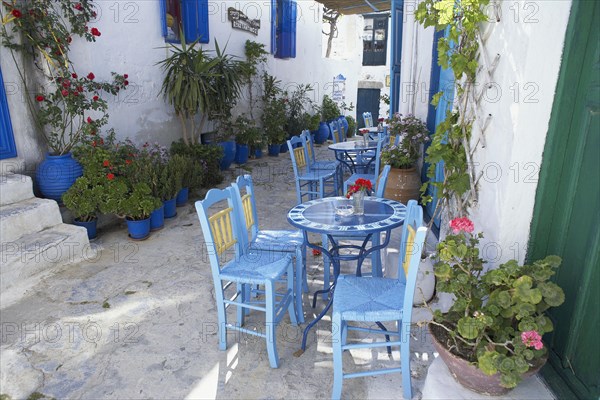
column 110, row 176
column 66, row 83
column 75, row 93
column 106, row 163
column 78, row 7
column 125, row 76
column 80, row 89
column 89, row 120
column 96, row 32
column 126, row 83
column 316, row 252
column 16, row 13
column 93, row 133
column 360, row 185
column 69, row 39
column 74, row 76
column 64, row 92
column 39, row 97
column 95, row 98
column 94, row 143
column 127, row 162
column 91, row 76
column 101, row 141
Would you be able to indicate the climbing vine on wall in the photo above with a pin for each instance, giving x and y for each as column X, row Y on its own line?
column 458, row 50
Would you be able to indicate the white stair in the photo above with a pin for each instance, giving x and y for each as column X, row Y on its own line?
column 34, row 241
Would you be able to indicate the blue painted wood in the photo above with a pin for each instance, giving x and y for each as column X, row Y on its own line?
column 397, row 11
column 195, row 20
column 246, row 270
column 7, row 140
column 285, row 28
column 376, row 299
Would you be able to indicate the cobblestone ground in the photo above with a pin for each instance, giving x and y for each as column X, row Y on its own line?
column 139, row 321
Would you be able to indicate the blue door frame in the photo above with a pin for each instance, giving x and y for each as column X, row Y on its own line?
column 397, row 11
column 441, row 80
column 7, row 140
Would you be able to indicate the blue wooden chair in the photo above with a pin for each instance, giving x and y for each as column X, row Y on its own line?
column 221, row 228
column 309, row 147
column 280, row 241
column 376, row 165
column 313, row 183
column 374, row 299
column 336, row 133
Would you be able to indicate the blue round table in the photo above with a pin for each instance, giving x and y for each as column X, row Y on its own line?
column 320, row 216
column 348, row 154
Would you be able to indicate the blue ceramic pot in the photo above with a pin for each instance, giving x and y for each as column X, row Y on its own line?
column 258, row 153
column 283, row 148
column 170, row 208
column 182, row 197
column 56, row 174
column 322, row 133
column 242, row 151
column 274, row 150
column 228, row 154
column 138, row 229
column 157, row 218
column 90, row 226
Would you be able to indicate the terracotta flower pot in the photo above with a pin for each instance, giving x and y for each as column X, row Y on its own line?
column 403, row 185
column 472, row 377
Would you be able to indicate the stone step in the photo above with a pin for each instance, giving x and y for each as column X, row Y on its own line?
column 14, row 188
column 30, row 258
column 27, row 216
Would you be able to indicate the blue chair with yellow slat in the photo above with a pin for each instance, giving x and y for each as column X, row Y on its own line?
column 313, row 163
column 280, row 241
column 243, row 270
column 312, row 183
column 375, row 299
column 368, row 119
column 376, row 165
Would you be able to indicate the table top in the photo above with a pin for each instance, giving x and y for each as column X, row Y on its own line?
column 320, row 216
column 355, row 145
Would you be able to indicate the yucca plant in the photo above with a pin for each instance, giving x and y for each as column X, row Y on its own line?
column 187, row 85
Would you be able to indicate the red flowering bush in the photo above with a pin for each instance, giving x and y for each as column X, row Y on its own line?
column 44, row 30
column 361, row 185
column 498, row 317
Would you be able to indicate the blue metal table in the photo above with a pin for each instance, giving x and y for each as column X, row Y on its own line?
column 350, row 154
column 320, row 216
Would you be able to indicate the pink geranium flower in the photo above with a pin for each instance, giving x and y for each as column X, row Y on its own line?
column 463, row 224
column 532, row 339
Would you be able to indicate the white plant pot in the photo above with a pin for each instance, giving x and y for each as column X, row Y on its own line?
column 425, row 278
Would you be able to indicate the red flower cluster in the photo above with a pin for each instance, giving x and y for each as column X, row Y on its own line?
column 39, row 97
column 78, row 7
column 95, row 32
column 463, row 224
column 110, row 176
column 91, row 76
column 316, row 252
column 364, row 131
column 16, row 13
column 360, row 185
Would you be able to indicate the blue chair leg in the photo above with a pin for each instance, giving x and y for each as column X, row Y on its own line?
column 404, row 330
column 291, row 289
column 222, row 318
column 299, row 283
column 326, row 267
column 338, row 372
column 243, row 297
column 270, row 324
column 304, row 272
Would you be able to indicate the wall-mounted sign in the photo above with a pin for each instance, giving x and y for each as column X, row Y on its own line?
column 339, row 88
column 239, row 20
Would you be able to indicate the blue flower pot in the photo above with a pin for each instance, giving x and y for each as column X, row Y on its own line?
column 283, row 148
column 182, row 197
column 138, row 229
column 274, row 150
column 322, row 133
column 170, row 207
column 228, row 154
column 56, row 174
column 258, row 153
column 90, row 226
column 242, row 151
column 157, row 218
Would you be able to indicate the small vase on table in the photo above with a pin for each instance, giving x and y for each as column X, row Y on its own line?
column 358, row 202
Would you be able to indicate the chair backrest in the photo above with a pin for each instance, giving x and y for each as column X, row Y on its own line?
column 245, row 205
column 413, row 220
column 381, row 183
column 335, row 132
column 368, row 119
column 308, row 144
column 416, row 242
column 220, row 228
column 343, row 132
column 380, row 145
column 297, row 153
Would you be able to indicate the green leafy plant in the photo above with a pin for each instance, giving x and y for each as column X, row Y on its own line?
column 247, row 132
column 274, row 110
column 297, row 104
column 329, row 109
column 256, row 56
column 138, row 203
column 83, row 197
column 498, row 317
column 413, row 133
column 43, row 31
column 208, row 155
column 351, row 125
column 451, row 140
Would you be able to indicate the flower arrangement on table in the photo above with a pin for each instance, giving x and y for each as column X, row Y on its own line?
column 413, row 133
column 361, row 185
column 498, row 317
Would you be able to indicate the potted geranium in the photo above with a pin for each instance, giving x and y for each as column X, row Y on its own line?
column 404, row 181
column 82, row 198
column 491, row 337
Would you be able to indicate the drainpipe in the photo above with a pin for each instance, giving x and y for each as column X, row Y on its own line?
column 407, row 87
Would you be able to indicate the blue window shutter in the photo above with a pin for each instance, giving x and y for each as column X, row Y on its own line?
column 274, row 19
column 163, row 17
column 286, row 29
column 195, row 20
column 7, row 140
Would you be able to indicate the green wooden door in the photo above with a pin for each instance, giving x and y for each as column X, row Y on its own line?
column 567, row 211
